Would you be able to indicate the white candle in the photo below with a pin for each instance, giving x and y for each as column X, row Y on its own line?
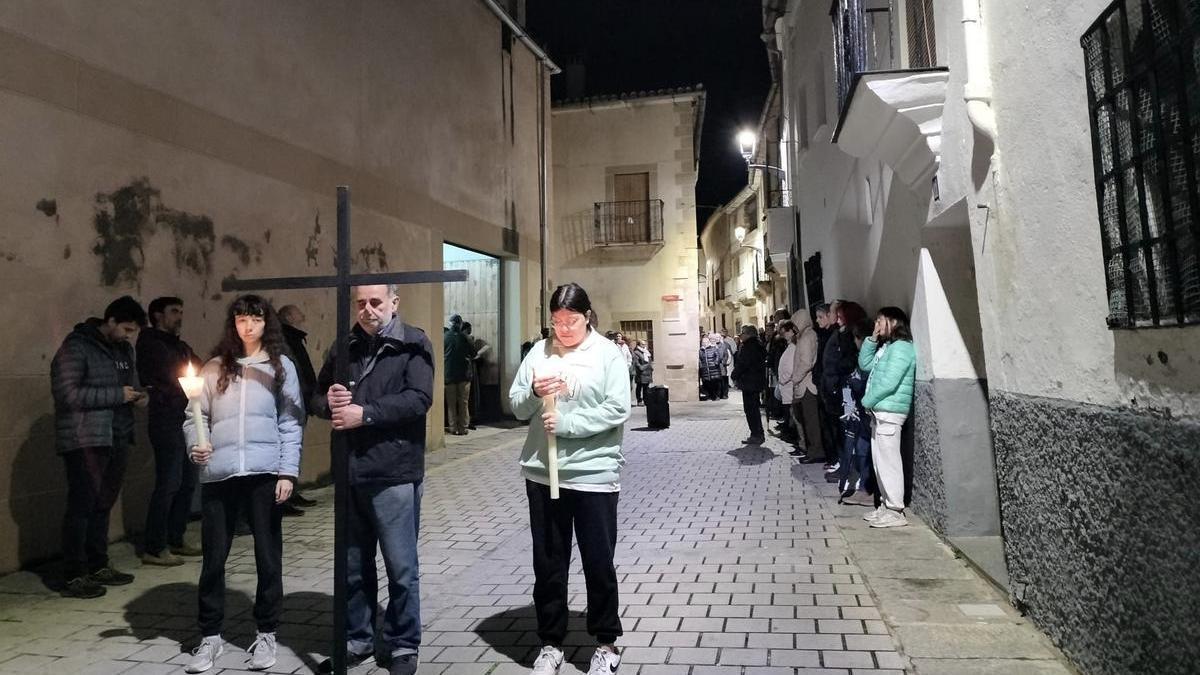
column 193, row 387
column 549, row 404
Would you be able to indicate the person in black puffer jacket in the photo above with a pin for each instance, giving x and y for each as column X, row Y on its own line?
column 94, row 382
column 750, row 374
column 382, row 413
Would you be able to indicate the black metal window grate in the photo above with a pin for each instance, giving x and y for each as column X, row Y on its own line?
column 922, row 41
column 628, row 222
column 1142, row 58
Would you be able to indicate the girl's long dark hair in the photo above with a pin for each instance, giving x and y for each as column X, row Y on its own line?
column 230, row 348
column 901, row 331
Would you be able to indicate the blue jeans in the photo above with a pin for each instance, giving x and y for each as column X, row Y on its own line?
column 388, row 516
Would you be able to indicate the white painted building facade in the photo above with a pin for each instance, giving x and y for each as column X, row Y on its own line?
column 955, row 179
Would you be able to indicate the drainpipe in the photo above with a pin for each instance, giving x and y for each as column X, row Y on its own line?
column 977, row 92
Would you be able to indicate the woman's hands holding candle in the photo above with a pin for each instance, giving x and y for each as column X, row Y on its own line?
column 546, row 385
column 200, row 454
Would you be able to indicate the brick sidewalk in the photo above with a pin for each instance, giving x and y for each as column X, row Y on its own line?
column 729, row 559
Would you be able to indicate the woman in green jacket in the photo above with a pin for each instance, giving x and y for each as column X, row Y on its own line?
column 891, row 360
column 589, row 377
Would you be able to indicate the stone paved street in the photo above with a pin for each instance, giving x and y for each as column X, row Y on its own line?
column 731, row 559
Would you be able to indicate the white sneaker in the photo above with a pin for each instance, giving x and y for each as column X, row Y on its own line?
column 890, row 518
column 834, row 468
column 203, row 656
column 262, row 652
column 870, row 516
column 604, row 662
column 548, row 661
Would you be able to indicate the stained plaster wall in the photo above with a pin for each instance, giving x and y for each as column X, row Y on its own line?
column 590, row 143
column 234, row 124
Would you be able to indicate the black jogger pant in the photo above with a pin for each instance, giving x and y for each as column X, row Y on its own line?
column 593, row 515
column 220, row 503
column 94, row 477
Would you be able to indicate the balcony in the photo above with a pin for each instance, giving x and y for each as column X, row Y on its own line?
column 635, row 223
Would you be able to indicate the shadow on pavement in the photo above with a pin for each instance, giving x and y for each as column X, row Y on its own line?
column 513, row 633
column 169, row 611
column 752, row 455
column 647, row 429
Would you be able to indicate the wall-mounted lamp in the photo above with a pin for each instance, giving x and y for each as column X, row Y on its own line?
column 747, row 141
column 739, row 233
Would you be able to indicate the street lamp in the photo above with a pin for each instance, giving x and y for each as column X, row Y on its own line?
column 739, row 233
column 747, row 141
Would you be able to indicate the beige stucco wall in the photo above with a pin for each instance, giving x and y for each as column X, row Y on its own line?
column 248, row 115
column 589, row 145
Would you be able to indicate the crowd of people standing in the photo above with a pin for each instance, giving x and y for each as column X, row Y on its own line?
column 840, row 390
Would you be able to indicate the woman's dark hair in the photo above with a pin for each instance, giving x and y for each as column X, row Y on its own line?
column 862, row 328
column 573, row 298
column 850, row 312
column 230, row 348
column 786, row 325
column 901, row 331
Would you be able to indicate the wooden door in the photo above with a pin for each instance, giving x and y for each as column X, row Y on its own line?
column 631, row 213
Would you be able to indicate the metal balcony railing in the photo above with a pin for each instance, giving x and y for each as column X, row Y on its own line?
column 634, row 222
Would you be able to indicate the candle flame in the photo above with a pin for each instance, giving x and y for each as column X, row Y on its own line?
column 191, row 371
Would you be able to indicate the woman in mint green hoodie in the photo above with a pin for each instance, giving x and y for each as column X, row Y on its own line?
column 590, row 379
column 891, row 360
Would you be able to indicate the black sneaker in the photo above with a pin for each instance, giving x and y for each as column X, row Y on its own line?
column 110, row 577
column 302, row 501
column 290, row 509
column 82, row 587
column 403, row 665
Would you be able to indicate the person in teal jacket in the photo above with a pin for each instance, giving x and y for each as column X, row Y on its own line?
column 891, row 361
column 589, row 377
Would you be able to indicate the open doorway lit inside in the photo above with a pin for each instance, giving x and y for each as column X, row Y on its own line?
column 477, row 301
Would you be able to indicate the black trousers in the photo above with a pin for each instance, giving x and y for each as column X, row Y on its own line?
column 724, row 384
column 593, row 515
column 807, row 418
column 220, row 503
column 94, row 477
column 712, row 389
column 751, row 406
column 640, row 391
column 174, row 482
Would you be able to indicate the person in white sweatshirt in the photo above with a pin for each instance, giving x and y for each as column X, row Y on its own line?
column 589, row 377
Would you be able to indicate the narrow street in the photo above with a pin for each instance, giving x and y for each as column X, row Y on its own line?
column 732, row 559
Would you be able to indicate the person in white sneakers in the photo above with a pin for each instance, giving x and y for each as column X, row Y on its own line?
column 891, row 361
column 252, row 410
column 589, row 377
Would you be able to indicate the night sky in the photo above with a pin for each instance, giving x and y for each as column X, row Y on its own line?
column 631, row 45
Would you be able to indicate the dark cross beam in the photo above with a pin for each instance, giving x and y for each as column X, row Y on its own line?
column 343, row 281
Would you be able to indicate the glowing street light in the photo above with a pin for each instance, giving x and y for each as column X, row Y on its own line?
column 747, row 140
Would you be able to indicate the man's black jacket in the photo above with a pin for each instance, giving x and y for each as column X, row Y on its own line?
column 750, row 366
column 295, row 339
column 391, row 377
column 162, row 358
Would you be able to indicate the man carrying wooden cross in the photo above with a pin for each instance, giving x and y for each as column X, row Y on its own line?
column 383, row 414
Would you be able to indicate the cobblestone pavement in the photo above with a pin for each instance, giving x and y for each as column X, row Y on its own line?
column 730, row 559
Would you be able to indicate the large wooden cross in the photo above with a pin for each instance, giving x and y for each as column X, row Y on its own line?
column 343, row 281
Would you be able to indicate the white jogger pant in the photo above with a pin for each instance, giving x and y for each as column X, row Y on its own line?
column 885, row 457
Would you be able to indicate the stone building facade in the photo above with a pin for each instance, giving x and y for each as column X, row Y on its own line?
column 971, row 162
column 624, row 220
column 159, row 152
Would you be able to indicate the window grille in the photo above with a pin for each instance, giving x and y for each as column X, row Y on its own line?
column 1141, row 59
column 639, row 330
column 922, row 42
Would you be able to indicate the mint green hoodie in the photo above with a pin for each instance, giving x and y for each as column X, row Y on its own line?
column 592, row 412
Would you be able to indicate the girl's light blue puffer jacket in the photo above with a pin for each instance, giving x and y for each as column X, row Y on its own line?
column 252, row 428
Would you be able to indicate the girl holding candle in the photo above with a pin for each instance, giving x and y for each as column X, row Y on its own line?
column 577, row 385
column 251, row 413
